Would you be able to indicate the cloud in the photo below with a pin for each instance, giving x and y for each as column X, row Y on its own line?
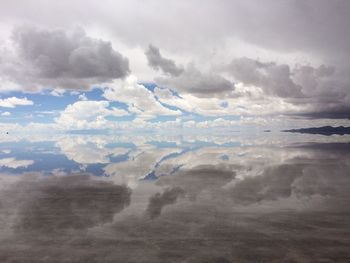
column 192, row 103
column 273, row 78
column 158, row 62
column 243, row 101
column 57, row 92
column 12, row 102
column 326, row 90
column 88, row 114
column 318, row 92
column 310, row 26
column 48, row 58
column 6, row 113
column 189, row 79
column 139, row 99
column 82, row 97
column 14, row 163
column 281, row 80
column 198, row 83
column 289, row 34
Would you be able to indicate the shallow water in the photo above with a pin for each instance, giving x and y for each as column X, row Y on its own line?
column 175, row 198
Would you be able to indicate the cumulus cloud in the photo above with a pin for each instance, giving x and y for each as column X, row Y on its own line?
column 6, row 113
column 298, row 82
column 327, row 91
column 200, row 84
column 58, row 59
column 14, row 163
column 88, row 114
column 189, row 79
column 82, row 97
column 192, row 103
column 139, row 99
column 274, row 79
column 12, row 102
column 321, row 89
column 244, row 101
column 57, row 92
column 290, row 34
column 158, row 62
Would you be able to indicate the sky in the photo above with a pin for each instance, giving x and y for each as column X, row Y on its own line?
column 181, row 65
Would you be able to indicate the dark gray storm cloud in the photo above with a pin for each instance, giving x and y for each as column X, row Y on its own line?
column 328, row 112
column 60, row 59
column 158, row 62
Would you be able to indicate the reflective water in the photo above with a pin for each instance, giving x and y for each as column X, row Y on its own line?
column 169, row 198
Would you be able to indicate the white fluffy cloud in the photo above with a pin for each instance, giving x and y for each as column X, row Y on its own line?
column 139, row 99
column 12, row 102
column 6, row 113
column 14, row 163
column 88, row 115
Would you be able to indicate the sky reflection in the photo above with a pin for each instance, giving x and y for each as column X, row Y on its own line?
column 175, row 199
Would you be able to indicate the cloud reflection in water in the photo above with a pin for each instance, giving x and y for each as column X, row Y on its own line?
column 267, row 203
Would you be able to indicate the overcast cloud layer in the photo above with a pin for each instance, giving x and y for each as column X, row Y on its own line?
column 228, row 58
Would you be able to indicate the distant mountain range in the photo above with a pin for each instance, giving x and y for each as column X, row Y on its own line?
column 325, row 130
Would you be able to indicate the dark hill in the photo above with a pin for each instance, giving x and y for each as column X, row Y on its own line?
column 325, row 130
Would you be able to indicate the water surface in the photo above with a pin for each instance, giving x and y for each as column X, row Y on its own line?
column 175, row 198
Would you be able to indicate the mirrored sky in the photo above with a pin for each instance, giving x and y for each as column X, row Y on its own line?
column 152, row 198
